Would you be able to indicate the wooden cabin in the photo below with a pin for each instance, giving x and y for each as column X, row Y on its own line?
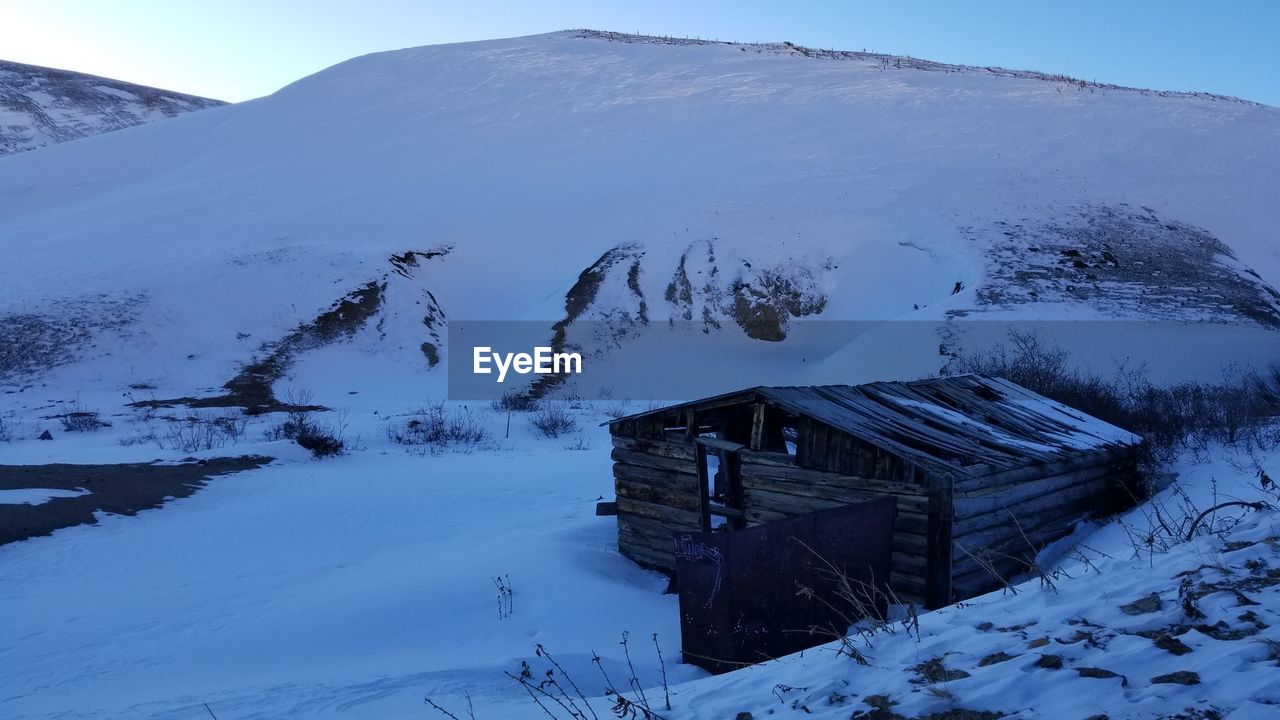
column 984, row 472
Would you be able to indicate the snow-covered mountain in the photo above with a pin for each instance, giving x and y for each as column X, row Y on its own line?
column 583, row 176
column 42, row 106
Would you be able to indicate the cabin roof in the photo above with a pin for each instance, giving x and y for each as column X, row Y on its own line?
column 964, row 424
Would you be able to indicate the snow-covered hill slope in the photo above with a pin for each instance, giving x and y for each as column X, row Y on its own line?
column 353, row 588
column 587, row 176
column 42, row 106
column 634, row 191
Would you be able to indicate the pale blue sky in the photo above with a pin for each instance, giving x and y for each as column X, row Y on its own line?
column 239, row 49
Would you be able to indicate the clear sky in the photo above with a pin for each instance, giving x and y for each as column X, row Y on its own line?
column 239, row 49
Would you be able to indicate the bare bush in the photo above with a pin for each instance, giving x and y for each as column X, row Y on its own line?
column 1239, row 412
column 7, row 427
column 617, row 409
column 322, row 439
column 81, row 420
column 515, row 401
column 142, row 437
column 855, row 603
column 437, row 428
column 553, row 420
column 201, row 432
column 558, row 695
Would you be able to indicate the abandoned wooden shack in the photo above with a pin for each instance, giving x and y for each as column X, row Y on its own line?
column 983, row 471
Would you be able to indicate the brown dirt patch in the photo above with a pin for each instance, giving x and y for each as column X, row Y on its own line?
column 121, row 489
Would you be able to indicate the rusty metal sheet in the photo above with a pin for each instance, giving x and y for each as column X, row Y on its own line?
column 741, row 597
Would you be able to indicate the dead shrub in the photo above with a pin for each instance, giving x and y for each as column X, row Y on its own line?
column 323, row 440
column 553, row 420
column 201, row 432
column 437, row 428
column 1238, row 412
column 515, row 401
column 80, row 420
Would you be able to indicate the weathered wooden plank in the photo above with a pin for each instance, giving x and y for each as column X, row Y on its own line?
column 845, row 494
column 773, row 465
column 970, row 504
column 678, row 481
column 908, row 588
column 704, row 491
column 763, row 504
column 649, row 526
column 939, row 537
column 678, row 519
column 968, row 443
column 1002, row 417
column 647, row 558
column 1023, row 539
column 641, row 527
column 659, row 547
column 718, row 444
column 654, row 461
column 663, row 448
column 650, row 493
column 757, row 426
column 923, row 428
column 808, row 404
column 786, row 503
column 1008, row 560
column 629, row 535
column 909, row 564
column 1019, row 474
column 1105, row 490
column 1010, row 534
column 1051, row 408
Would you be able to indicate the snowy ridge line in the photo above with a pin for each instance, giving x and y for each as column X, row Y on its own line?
column 44, row 106
column 61, row 74
column 899, row 62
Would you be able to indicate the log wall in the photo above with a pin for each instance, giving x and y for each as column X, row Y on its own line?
column 1002, row 520
column 656, row 483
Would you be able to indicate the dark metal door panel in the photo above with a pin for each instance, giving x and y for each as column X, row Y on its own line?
column 740, row 592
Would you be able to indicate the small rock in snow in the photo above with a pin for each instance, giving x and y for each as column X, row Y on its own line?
column 1149, row 604
column 1181, row 677
column 1050, row 662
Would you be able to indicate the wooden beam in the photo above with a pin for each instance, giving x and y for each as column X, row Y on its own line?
column 646, row 492
column 981, row 483
column 658, row 462
column 845, row 494
column 665, row 448
column 761, row 504
column 704, row 500
column 783, row 467
column 668, row 479
column 939, row 534
column 1101, row 490
column 718, row 444
column 678, row 519
column 757, row 426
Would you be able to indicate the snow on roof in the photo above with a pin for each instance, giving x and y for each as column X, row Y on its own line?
column 967, row 424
